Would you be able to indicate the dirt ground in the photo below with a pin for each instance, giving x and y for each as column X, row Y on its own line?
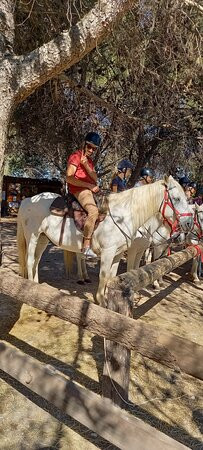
column 167, row 399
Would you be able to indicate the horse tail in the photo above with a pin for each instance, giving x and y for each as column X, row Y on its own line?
column 22, row 249
column 68, row 261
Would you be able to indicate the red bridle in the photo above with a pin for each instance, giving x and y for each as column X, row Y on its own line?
column 168, row 202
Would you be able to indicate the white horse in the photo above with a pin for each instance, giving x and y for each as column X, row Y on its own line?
column 154, row 236
column 142, row 241
column 161, row 237
column 128, row 210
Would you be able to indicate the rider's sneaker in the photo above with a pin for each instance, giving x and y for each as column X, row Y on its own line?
column 89, row 254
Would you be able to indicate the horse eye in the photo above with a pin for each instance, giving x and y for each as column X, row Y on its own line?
column 177, row 199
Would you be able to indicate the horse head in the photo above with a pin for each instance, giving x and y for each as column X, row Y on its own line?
column 175, row 209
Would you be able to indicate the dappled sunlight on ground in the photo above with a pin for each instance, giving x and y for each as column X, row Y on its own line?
column 165, row 398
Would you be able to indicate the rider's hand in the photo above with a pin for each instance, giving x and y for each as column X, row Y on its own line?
column 84, row 161
column 95, row 189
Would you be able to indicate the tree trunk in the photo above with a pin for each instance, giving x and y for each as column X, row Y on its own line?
column 6, row 107
column 7, row 28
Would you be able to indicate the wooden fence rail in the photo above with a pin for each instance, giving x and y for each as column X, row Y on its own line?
column 115, row 324
column 121, row 290
column 98, row 414
column 157, row 344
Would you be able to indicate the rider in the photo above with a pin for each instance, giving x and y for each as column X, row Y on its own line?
column 82, row 183
column 124, row 171
column 146, row 177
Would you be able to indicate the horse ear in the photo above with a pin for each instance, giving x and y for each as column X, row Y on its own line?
column 166, row 179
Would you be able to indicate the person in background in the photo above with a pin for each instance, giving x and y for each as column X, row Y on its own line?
column 193, row 188
column 123, row 174
column 185, row 183
column 199, row 198
column 146, row 177
column 82, row 184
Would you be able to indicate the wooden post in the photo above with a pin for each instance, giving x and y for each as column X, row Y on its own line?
column 116, row 371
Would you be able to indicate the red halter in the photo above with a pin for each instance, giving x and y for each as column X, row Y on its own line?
column 168, row 202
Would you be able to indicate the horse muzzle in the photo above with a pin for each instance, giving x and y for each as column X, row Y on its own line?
column 186, row 223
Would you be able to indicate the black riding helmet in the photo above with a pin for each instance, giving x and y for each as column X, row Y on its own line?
column 93, row 138
column 124, row 165
column 146, row 172
column 184, row 181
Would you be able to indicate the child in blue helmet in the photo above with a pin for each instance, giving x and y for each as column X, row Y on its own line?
column 124, row 171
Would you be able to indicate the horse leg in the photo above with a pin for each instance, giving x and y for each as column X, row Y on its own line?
column 41, row 246
column 135, row 253
column 22, row 249
column 80, row 275
column 131, row 258
column 194, row 270
column 84, row 270
column 148, row 255
column 107, row 258
column 161, row 250
column 31, row 256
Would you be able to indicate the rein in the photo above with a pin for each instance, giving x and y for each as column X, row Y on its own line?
column 118, row 226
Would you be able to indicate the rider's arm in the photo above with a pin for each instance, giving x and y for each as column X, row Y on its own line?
column 70, row 178
column 91, row 173
column 114, row 188
column 114, row 185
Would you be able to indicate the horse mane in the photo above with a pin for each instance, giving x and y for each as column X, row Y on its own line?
column 142, row 199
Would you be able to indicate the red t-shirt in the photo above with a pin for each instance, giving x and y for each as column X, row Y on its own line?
column 80, row 173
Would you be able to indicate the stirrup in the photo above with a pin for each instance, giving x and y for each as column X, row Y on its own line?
column 89, row 254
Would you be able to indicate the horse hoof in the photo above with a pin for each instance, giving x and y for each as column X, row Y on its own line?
column 196, row 281
column 80, row 282
column 87, row 280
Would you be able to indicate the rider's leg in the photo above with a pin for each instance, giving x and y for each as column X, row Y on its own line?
column 87, row 201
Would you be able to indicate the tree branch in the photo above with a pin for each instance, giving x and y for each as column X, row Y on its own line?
column 99, row 101
column 193, row 3
column 67, row 48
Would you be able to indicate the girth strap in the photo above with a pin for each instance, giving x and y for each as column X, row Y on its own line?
column 62, row 228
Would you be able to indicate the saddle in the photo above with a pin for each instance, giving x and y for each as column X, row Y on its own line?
column 68, row 206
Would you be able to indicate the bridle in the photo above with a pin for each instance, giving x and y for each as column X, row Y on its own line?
column 167, row 201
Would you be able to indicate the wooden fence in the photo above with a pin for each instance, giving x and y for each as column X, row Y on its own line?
column 121, row 334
